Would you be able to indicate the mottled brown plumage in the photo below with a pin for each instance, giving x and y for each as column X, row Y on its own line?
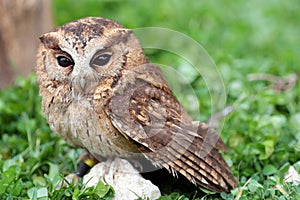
column 100, row 92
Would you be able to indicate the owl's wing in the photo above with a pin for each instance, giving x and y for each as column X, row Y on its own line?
column 144, row 109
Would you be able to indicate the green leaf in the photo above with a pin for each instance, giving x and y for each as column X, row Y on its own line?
column 38, row 193
column 32, row 193
column 42, row 193
column 56, row 181
column 254, row 185
column 53, row 170
column 17, row 188
column 7, row 177
column 269, row 170
column 101, row 189
column 267, row 149
column 207, row 191
column 76, row 193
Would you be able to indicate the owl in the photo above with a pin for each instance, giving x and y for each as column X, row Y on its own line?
column 101, row 93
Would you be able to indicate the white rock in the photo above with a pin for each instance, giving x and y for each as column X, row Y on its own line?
column 292, row 175
column 124, row 178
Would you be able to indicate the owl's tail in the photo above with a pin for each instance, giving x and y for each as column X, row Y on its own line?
column 193, row 152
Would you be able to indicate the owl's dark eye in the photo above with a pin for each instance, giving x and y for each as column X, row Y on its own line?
column 101, row 60
column 64, row 61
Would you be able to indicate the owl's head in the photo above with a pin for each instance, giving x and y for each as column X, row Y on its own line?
column 83, row 52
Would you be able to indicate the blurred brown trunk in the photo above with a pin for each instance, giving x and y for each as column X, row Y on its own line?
column 21, row 23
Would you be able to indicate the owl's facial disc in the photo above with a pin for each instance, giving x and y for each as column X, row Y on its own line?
column 84, row 52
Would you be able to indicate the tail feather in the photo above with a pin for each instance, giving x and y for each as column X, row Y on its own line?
column 198, row 160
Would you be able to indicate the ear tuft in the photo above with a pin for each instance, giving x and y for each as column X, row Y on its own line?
column 50, row 41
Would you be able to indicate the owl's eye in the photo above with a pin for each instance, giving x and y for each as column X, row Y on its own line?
column 101, row 60
column 64, row 61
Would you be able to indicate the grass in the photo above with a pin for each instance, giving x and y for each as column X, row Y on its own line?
column 262, row 133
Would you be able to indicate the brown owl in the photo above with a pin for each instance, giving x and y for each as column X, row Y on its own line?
column 99, row 92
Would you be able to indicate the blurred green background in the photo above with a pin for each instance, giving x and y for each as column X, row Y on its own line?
column 242, row 37
column 256, row 31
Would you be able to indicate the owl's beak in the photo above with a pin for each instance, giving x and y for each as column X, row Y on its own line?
column 83, row 80
column 82, row 83
column 78, row 79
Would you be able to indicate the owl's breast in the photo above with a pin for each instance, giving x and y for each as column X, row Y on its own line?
column 96, row 133
column 81, row 121
column 91, row 129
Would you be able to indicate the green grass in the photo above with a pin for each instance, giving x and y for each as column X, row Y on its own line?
column 242, row 37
